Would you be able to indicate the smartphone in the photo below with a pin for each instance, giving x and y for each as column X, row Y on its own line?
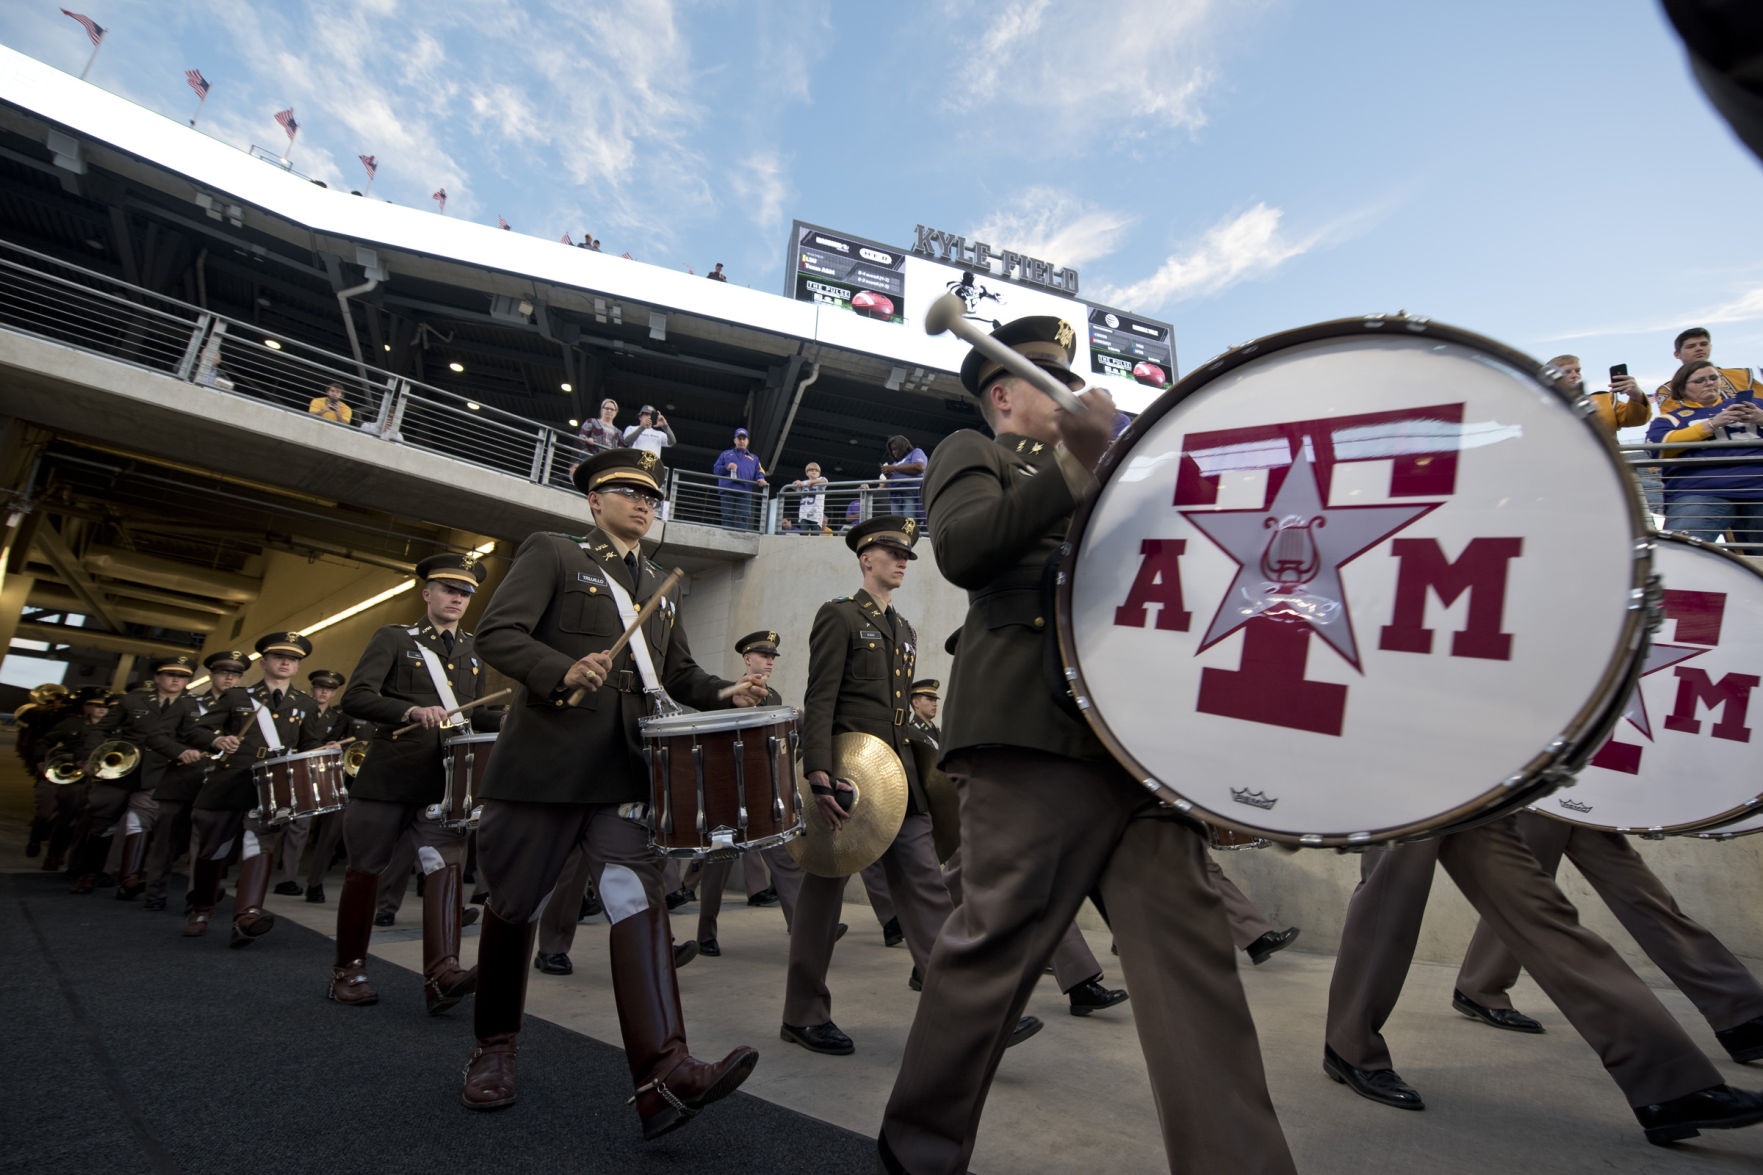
column 1619, row 369
column 1746, row 394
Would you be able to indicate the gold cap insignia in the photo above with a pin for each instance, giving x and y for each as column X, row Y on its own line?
column 468, row 560
column 647, row 461
column 910, row 527
column 1065, row 335
column 293, row 636
column 773, row 637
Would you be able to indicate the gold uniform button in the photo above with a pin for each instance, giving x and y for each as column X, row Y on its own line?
column 896, row 693
column 1039, row 623
column 872, row 644
column 593, row 590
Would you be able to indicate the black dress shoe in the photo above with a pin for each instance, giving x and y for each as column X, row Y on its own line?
column 315, row 894
column 478, row 899
column 558, row 964
column 1380, row 1085
column 1091, row 996
column 1025, row 1028
column 839, row 931
column 385, row 918
column 684, row 952
column 915, row 981
column 1270, row 943
column 288, row 889
column 468, row 917
column 819, row 1038
column 891, row 936
column 765, row 897
column 1743, row 1042
column 678, row 898
column 153, row 904
column 1719, row 1107
column 1510, row 1019
column 591, row 905
column 707, row 946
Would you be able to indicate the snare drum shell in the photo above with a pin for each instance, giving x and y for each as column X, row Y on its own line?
column 1211, row 530
column 687, row 751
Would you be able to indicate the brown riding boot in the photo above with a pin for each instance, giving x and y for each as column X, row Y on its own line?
column 502, row 951
column 134, row 860
column 445, row 981
column 204, row 884
column 349, row 983
column 672, row 1085
column 250, row 920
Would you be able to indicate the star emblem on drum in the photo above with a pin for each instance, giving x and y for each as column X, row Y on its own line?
column 1289, row 557
column 1658, row 657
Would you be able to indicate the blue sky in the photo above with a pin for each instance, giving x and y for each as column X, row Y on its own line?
column 1546, row 174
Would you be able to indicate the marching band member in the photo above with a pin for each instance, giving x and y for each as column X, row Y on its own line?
column 179, row 783
column 1048, row 816
column 268, row 719
column 327, row 829
column 567, row 773
column 415, row 673
column 78, row 734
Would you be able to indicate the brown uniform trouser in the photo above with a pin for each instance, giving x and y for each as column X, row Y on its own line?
column 1072, row 961
column 395, row 877
column 374, row 832
column 922, row 901
column 875, row 884
column 1245, row 921
column 522, row 848
column 1699, row 964
column 327, row 830
column 1644, row 1050
column 715, row 879
column 786, row 876
column 214, row 831
column 170, row 833
column 564, row 910
column 1039, row 833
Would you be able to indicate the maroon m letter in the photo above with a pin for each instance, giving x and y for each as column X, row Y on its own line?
column 1731, row 694
column 1481, row 570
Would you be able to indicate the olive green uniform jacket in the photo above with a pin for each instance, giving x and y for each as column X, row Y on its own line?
column 860, row 662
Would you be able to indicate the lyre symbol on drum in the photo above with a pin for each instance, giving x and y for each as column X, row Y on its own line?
column 1290, row 559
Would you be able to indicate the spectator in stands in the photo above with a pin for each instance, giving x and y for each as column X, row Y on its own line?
column 601, row 433
column 854, row 512
column 716, row 275
column 904, row 470
column 1696, row 344
column 811, row 508
column 739, row 480
column 587, row 241
column 650, row 433
column 1708, row 495
column 330, row 406
column 596, row 245
column 1623, row 406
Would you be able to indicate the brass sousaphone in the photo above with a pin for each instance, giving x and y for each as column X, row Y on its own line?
column 63, row 769
column 113, row 760
column 354, row 755
column 877, row 810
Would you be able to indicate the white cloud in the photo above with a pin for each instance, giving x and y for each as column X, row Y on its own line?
column 1132, row 66
column 1054, row 225
column 1745, row 307
column 1246, row 246
column 759, row 185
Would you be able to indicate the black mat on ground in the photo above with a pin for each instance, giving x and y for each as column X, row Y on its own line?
column 130, row 1048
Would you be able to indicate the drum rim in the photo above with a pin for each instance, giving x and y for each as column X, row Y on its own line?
column 1725, row 831
column 716, row 721
column 295, row 755
column 1551, row 767
column 474, row 737
column 1707, row 823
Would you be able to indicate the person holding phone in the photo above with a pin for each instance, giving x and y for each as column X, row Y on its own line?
column 1623, row 405
column 1710, row 495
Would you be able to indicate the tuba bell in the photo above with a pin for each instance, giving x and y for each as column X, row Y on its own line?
column 50, row 693
column 113, row 760
column 63, row 769
column 354, row 755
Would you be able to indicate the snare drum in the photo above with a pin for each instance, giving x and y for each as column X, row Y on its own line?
column 465, row 758
column 722, row 782
column 1230, row 840
column 1682, row 757
column 294, row 786
column 1363, row 581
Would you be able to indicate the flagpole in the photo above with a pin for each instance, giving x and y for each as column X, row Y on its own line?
column 368, row 191
column 92, row 58
column 290, row 149
column 200, row 103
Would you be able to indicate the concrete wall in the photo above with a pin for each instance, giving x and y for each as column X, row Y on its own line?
column 1720, row 884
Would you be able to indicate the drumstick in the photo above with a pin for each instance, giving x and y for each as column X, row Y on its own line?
column 643, row 613
column 729, row 691
column 501, row 693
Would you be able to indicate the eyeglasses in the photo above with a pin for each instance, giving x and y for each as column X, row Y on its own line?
column 647, row 499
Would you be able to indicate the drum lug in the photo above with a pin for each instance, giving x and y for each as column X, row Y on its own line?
column 740, row 751
column 665, row 756
column 698, row 773
column 777, row 800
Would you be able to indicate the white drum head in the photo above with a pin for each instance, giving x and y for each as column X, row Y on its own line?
column 476, row 736
column 1685, row 753
column 714, row 721
column 320, row 753
column 1354, row 583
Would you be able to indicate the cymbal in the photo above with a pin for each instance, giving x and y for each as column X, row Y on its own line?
column 870, row 765
column 945, row 805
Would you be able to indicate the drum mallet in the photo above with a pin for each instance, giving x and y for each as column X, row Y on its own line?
column 948, row 313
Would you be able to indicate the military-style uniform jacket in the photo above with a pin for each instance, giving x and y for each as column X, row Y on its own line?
column 161, row 735
column 229, row 786
column 860, row 662
column 75, row 736
column 552, row 609
column 389, row 680
column 923, row 731
column 178, row 783
column 336, row 726
column 34, row 731
column 999, row 508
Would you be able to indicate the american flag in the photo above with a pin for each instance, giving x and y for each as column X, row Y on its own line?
column 94, row 30
column 627, row 257
column 367, row 161
column 440, row 198
column 197, row 82
column 500, row 223
column 286, row 118
column 566, row 239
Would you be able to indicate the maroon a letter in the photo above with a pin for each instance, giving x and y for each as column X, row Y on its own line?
column 1158, row 582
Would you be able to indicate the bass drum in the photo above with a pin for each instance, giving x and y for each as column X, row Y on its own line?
column 1745, row 827
column 1682, row 757
column 1370, row 580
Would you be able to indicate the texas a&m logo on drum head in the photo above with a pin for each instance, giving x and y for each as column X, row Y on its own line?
column 1354, row 586
column 1683, row 754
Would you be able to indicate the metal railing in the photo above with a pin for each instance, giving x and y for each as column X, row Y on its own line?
column 67, row 304
column 1703, row 492
column 841, row 505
